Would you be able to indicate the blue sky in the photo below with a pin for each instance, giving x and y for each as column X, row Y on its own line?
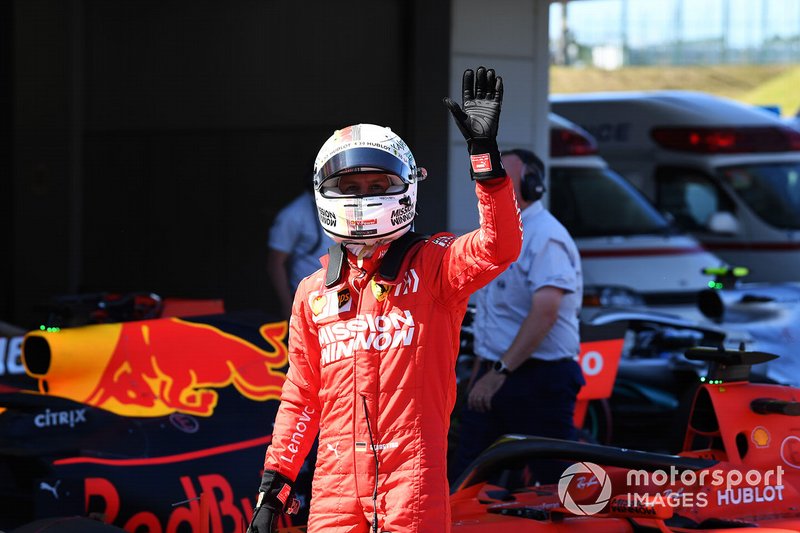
column 658, row 21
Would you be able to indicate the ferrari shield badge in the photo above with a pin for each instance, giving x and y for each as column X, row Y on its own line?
column 379, row 290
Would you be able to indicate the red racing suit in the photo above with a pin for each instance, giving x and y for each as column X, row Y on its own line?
column 372, row 367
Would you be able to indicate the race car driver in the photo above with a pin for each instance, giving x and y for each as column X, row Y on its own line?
column 374, row 334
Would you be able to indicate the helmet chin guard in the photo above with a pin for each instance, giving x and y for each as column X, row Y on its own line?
column 366, row 219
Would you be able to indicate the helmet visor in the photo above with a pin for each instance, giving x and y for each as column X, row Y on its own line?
column 363, row 160
column 357, row 183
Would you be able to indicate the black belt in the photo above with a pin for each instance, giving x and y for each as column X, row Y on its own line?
column 530, row 362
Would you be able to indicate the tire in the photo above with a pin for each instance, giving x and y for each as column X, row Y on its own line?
column 597, row 427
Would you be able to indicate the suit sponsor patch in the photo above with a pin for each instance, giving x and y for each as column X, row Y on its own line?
column 340, row 340
column 329, row 303
column 481, row 163
column 343, row 297
column 364, row 447
column 409, row 284
column 444, row 241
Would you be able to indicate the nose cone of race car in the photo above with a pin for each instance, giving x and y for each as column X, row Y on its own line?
column 37, row 356
column 69, row 362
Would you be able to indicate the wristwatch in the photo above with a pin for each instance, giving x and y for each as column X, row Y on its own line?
column 500, row 367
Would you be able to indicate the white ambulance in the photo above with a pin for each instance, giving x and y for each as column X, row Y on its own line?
column 728, row 173
column 630, row 253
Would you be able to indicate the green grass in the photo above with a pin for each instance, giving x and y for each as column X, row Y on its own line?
column 753, row 84
column 781, row 90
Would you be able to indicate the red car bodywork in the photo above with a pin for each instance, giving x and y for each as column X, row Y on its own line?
column 737, row 432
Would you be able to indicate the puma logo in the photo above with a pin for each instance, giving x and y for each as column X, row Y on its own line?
column 334, row 449
column 52, row 488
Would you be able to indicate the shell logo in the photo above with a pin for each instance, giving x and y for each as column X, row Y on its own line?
column 760, row 437
column 318, row 304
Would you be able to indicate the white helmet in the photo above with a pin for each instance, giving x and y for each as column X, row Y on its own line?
column 365, row 219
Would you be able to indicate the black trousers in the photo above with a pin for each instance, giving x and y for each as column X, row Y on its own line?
column 537, row 399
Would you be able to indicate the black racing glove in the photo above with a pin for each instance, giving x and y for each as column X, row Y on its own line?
column 275, row 496
column 263, row 520
column 478, row 121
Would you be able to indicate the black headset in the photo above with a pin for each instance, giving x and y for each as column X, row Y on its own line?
column 531, row 184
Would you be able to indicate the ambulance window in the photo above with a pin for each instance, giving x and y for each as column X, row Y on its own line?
column 595, row 202
column 690, row 197
column 771, row 190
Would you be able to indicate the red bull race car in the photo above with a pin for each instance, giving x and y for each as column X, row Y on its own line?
column 147, row 424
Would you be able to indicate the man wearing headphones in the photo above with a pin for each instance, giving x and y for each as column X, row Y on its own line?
column 526, row 330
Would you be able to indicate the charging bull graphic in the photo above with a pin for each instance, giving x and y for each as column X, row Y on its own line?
column 155, row 367
column 156, row 425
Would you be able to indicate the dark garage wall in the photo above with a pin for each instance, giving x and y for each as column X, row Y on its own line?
column 155, row 140
column 6, row 153
column 244, row 64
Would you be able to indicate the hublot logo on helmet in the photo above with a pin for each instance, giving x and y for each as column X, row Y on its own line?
column 402, row 215
column 326, row 217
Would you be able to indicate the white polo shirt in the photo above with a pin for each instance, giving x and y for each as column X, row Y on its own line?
column 297, row 232
column 549, row 257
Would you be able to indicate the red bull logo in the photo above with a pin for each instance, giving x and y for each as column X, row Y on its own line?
column 155, row 367
column 215, row 497
column 201, row 490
